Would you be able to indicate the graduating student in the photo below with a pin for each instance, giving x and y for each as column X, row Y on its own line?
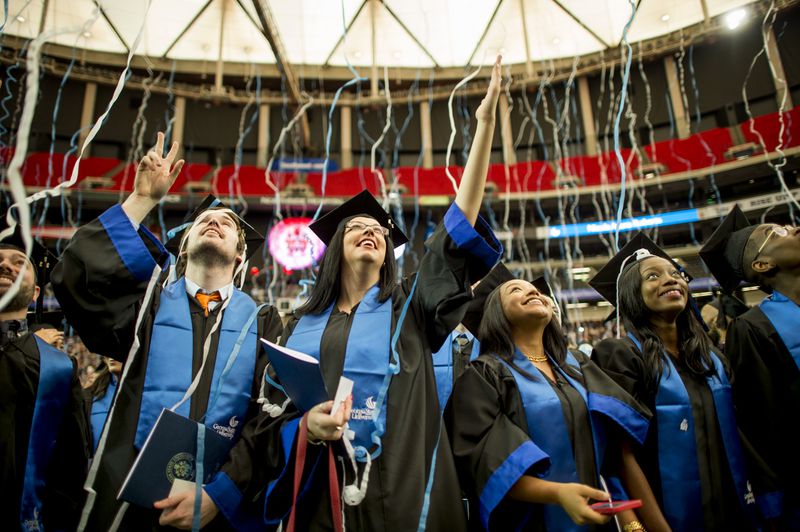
column 693, row 456
column 101, row 395
column 361, row 323
column 169, row 333
column 763, row 346
column 533, row 425
column 45, row 442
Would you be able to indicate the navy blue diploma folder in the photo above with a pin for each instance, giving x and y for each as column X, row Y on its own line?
column 299, row 376
column 168, row 454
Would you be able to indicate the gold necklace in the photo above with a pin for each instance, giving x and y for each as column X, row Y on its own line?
column 537, row 358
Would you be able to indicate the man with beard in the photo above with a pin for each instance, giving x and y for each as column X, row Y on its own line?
column 763, row 346
column 44, row 443
column 188, row 339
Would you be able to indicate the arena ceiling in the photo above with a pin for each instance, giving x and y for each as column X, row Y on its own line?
column 393, row 33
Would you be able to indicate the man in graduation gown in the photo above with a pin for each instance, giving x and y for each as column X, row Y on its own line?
column 44, row 442
column 171, row 335
column 763, row 346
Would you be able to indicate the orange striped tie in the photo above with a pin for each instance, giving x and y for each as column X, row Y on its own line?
column 204, row 299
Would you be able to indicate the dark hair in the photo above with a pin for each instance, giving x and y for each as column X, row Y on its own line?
column 102, row 379
column 496, row 336
column 329, row 277
column 694, row 343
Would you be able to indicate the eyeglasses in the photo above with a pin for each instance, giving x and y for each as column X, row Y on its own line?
column 780, row 230
column 358, row 226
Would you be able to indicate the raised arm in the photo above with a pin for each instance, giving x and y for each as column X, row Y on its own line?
column 470, row 191
column 154, row 177
column 103, row 273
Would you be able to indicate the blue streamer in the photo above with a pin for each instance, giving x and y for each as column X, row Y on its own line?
column 56, row 109
column 170, row 106
column 623, row 94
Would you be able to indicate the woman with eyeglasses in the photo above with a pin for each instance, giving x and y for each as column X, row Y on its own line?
column 693, row 456
column 387, row 446
column 763, row 346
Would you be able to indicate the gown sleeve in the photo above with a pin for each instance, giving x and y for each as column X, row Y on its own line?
column 491, row 451
column 101, row 278
column 262, row 455
column 621, row 361
column 457, row 255
column 239, row 480
column 761, row 427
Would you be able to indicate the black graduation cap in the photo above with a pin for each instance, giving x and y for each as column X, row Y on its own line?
column 544, row 287
column 253, row 238
column 362, row 204
column 724, row 251
column 605, row 281
column 496, row 276
column 43, row 261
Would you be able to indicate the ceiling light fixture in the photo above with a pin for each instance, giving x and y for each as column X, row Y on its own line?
column 734, row 19
column 87, row 34
column 357, row 54
column 20, row 18
column 665, row 17
column 556, row 41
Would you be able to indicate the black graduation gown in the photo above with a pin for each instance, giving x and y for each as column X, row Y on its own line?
column 487, row 424
column 766, row 392
column 399, row 475
column 63, row 495
column 623, row 362
column 101, row 294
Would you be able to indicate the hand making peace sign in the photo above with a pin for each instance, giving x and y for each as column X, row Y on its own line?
column 155, row 173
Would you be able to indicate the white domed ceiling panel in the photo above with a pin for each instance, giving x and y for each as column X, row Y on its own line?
column 82, row 25
column 242, row 40
column 24, row 18
column 409, row 33
column 657, row 18
column 448, row 29
column 310, row 29
column 393, row 44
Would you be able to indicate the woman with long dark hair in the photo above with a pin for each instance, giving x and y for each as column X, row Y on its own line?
column 533, row 426
column 693, row 456
column 359, row 322
column 100, row 395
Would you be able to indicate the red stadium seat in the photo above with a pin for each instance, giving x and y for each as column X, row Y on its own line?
column 250, row 181
column 346, row 183
column 700, row 150
column 38, row 165
column 599, row 169
column 769, row 126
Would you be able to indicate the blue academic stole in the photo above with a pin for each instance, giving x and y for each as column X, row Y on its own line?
column 366, row 360
column 784, row 314
column 547, row 429
column 52, row 395
column 677, row 446
column 100, row 409
column 169, row 363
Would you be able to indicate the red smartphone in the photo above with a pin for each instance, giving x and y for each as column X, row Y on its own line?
column 611, row 508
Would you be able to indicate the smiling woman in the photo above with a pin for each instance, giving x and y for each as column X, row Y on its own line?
column 530, row 445
column 667, row 361
column 361, row 323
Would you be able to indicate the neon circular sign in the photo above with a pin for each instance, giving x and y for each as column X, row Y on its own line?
column 294, row 245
